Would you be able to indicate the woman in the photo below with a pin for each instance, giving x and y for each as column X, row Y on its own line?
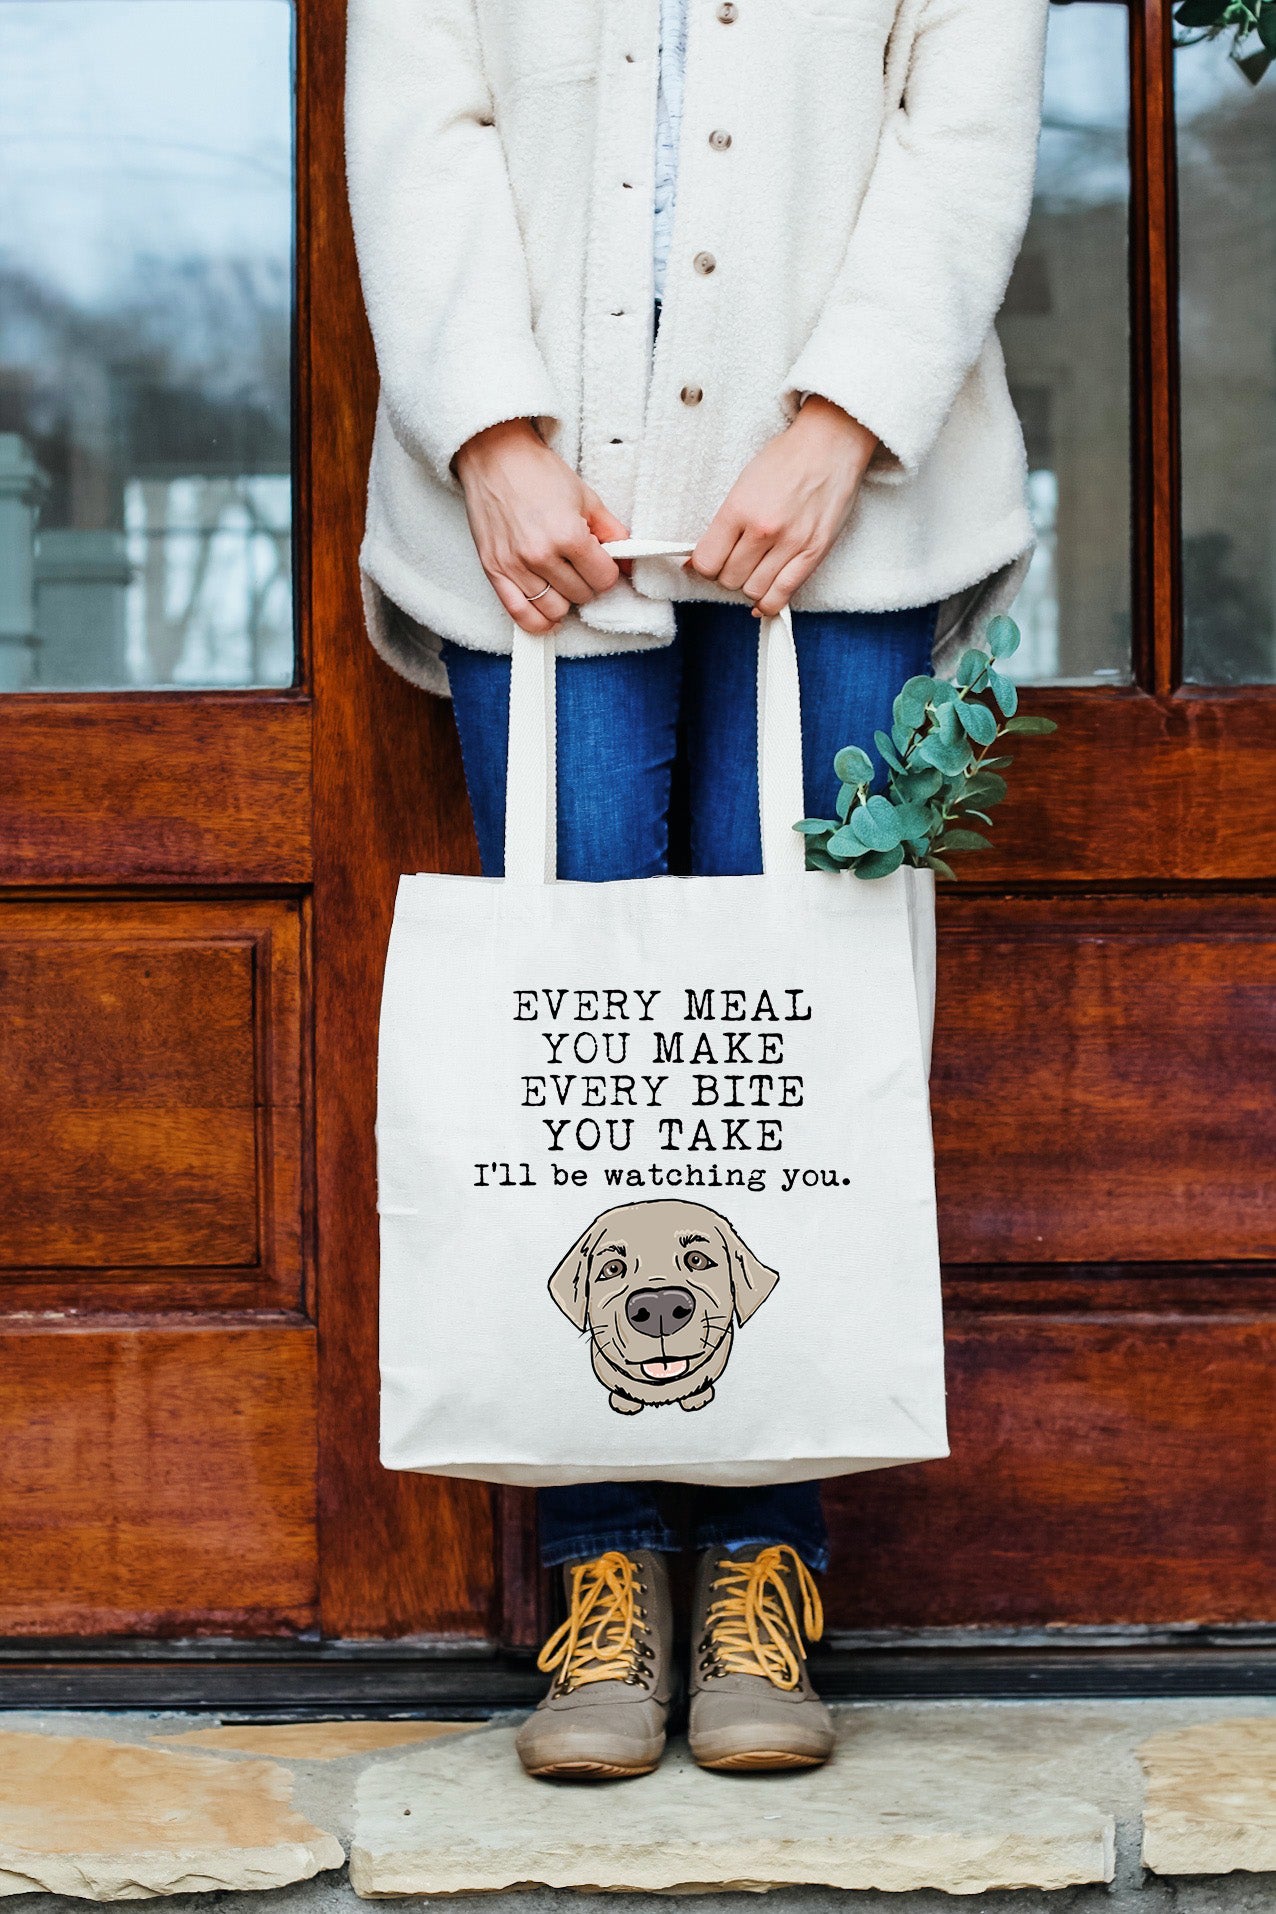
column 810, row 209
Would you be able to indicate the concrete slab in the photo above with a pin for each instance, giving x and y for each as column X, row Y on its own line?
column 313, row 1740
column 1210, row 1805
column 106, row 1822
column 965, row 1801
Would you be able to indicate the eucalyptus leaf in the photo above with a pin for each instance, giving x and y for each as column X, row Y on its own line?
column 815, row 826
column 845, row 843
column 912, row 820
column 978, row 721
column 986, row 787
column 972, row 667
column 1003, row 690
column 1003, row 636
column 948, row 758
column 853, row 766
column 941, row 692
column 880, row 863
column 962, row 841
column 912, row 700
column 818, row 860
column 1029, row 725
column 846, row 796
column 887, row 750
column 875, row 824
column 938, row 865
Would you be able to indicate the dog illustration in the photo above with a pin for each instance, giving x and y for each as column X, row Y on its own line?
column 659, row 1286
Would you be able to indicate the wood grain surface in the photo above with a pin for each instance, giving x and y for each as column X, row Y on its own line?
column 401, row 1554
column 1103, row 1079
column 157, row 1479
column 161, row 787
column 1103, row 1470
column 151, row 1126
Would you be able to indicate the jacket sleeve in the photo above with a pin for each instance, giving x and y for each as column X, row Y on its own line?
column 440, row 254
column 937, row 233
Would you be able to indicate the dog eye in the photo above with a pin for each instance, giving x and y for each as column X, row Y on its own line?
column 696, row 1259
column 613, row 1268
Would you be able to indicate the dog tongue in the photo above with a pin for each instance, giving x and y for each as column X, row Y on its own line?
column 666, row 1371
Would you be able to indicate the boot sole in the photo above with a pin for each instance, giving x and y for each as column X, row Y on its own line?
column 761, row 1761
column 590, row 1770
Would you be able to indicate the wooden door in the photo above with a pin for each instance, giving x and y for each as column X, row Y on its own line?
column 197, row 859
column 197, row 891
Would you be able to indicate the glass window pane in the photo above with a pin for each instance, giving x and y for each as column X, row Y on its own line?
column 145, row 342
column 1065, row 330
column 1227, row 329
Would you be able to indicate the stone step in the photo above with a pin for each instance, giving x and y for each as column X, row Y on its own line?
column 1043, row 1805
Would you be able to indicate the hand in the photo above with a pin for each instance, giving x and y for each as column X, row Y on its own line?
column 787, row 507
column 535, row 523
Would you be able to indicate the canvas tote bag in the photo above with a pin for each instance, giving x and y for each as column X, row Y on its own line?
column 656, row 1182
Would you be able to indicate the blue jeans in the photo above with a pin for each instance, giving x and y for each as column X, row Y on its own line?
column 622, row 721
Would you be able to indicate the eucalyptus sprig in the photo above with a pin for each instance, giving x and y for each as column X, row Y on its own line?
column 940, row 773
column 1206, row 19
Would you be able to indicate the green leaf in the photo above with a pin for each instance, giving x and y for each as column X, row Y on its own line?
column 814, row 826
column 880, row 863
column 916, row 786
column 1030, row 726
column 1267, row 28
column 1200, row 13
column 972, row 667
column 977, row 721
column 941, row 692
column 995, row 764
column 846, row 796
column 986, row 787
column 845, row 844
column 968, row 810
column 912, row 699
column 888, row 752
column 948, row 758
column 912, row 820
column 818, row 860
column 1003, row 636
column 937, row 864
column 962, row 841
column 1003, row 690
column 853, row 766
column 875, row 825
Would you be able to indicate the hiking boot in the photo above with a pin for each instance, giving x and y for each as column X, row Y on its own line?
column 752, row 1703
column 612, row 1663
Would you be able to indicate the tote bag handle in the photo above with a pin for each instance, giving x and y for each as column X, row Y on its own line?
column 531, row 810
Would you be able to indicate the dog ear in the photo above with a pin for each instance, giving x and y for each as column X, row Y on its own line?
column 569, row 1285
column 751, row 1281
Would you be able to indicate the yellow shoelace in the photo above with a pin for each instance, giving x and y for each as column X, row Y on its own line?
column 601, row 1640
column 752, row 1628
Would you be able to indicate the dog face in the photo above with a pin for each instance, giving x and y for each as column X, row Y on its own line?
column 659, row 1286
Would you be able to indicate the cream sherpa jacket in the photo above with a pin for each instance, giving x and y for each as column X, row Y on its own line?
column 852, row 238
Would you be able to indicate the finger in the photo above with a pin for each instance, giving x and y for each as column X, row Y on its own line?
column 543, row 566
column 605, row 525
column 748, row 553
column 790, row 578
column 597, row 567
column 716, row 544
column 768, row 569
column 530, row 617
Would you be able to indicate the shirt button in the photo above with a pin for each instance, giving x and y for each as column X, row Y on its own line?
column 691, row 395
column 719, row 141
column 727, row 12
column 704, row 262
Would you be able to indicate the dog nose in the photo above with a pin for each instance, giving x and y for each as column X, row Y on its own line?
column 658, row 1312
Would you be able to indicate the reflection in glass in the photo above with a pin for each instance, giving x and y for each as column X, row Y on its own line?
column 1227, row 328
column 1065, row 330
column 145, row 321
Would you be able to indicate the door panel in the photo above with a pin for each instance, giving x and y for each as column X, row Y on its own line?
column 150, row 1143
column 1103, row 1470
column 1102, row 1080
column 158, row 1478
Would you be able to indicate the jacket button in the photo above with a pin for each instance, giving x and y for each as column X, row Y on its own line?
column 719, row 141
column 727, row 12
column 691, row 395
column 704, row 262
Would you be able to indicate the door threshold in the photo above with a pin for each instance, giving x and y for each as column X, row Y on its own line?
column 471, row 1680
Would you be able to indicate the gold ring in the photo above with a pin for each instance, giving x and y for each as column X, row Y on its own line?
column 538, row 594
